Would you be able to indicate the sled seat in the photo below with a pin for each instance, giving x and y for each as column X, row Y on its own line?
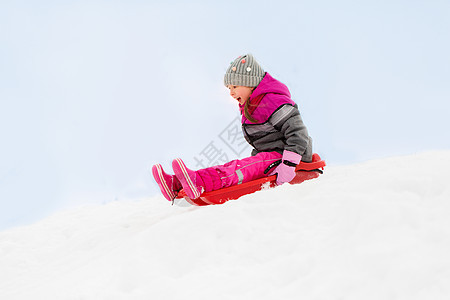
column 304, row 171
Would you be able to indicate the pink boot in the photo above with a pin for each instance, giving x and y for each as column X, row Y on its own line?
column 169, row 184
column 191, row 181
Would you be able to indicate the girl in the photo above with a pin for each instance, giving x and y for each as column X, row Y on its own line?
column 271, row 123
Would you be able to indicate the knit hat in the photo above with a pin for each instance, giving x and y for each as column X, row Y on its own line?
column 244, row 71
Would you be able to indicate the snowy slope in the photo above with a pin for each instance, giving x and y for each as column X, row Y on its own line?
column 376, row 230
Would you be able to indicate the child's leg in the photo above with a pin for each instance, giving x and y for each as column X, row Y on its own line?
column 232, row 173
column 238, row 171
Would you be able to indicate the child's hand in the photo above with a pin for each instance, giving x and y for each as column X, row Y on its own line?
column 286, row 170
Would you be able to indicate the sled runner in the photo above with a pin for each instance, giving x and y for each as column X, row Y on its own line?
column 304, row 171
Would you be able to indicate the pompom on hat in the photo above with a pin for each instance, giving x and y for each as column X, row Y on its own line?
column 244, row 71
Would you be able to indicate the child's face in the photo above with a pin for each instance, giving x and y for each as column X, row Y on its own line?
column 240, row 93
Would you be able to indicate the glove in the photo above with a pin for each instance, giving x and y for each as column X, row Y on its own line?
column 286, row 170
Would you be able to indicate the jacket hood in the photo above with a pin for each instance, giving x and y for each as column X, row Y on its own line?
column 271, row 85
column 268, row 96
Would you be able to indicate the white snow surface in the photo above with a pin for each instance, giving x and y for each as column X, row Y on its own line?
column 373, row 230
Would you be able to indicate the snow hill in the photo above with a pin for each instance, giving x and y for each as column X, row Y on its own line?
column 375, row 230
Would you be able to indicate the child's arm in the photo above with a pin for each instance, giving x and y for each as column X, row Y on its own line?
column 288, row 121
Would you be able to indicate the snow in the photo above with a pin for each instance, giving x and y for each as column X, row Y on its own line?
column 373, row 230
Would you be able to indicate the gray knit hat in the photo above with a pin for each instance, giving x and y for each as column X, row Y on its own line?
column 244, row 71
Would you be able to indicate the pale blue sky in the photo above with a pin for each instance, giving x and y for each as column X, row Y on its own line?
column 93, row 93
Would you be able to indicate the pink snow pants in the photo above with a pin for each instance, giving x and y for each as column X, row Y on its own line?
column 237, row 171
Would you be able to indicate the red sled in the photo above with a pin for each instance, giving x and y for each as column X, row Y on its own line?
column 304, row 171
